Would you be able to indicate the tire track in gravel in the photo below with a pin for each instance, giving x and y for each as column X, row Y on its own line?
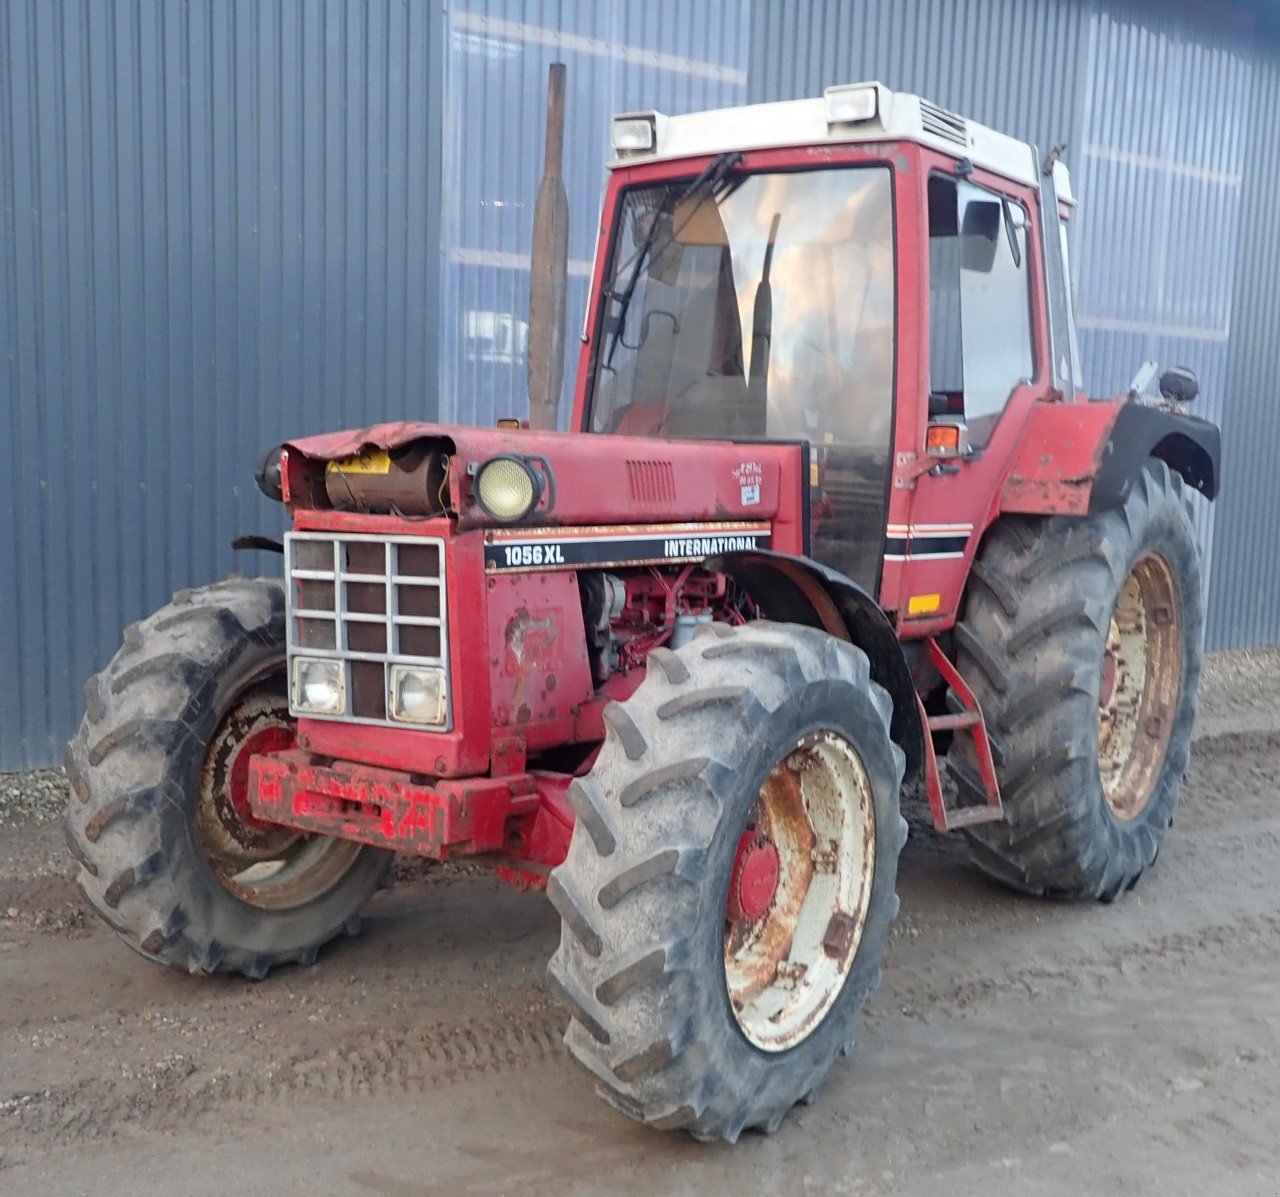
column 179, row 1093
column 1205, row 945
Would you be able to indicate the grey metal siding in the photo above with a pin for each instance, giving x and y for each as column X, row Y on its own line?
column 1010, row 64
column 218, row 228
column 665, row 54
column 1245, row 587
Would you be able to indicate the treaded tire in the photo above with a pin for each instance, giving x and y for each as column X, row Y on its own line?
column 133, row 767
column 642, row 892
column 1031, row 645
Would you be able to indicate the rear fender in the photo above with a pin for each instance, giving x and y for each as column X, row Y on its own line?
column 1188, row 445
column 1078, row 458
column 799, row 590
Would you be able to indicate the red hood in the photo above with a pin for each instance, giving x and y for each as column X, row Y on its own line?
column 599, row 479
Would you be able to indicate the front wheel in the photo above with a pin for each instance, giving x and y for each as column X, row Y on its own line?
column 730, row 884
column 171, row 855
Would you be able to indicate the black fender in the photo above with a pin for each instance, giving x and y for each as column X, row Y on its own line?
column 793, row 589
column 1188, row 445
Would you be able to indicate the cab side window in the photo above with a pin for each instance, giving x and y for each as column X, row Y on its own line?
column 980, row 345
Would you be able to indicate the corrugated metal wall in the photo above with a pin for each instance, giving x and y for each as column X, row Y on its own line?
column 1245, row 589
column 217, row 228
column 1173, row 151
column 225, row 221
column 666, row 54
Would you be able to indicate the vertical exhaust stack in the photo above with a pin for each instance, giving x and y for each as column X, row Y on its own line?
column 549, row 268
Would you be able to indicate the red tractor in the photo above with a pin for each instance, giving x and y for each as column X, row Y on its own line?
column 831, row 504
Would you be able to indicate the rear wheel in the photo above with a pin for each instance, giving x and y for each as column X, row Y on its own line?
column 171, row 855
column 729, row 887
column 1082, row 641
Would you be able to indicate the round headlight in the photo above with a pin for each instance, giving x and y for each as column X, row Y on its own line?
column 507, row 488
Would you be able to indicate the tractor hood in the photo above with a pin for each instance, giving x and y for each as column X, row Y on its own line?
column 415, row 469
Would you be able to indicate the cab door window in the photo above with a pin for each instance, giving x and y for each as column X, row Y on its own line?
column 980, row 346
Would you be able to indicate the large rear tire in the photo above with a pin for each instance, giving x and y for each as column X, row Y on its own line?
column 730, row 883
column 1081, row 639
column 170, row 855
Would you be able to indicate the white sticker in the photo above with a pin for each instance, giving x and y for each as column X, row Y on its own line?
column 749, row 476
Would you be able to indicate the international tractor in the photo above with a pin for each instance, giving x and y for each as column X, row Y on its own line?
column 831, row 517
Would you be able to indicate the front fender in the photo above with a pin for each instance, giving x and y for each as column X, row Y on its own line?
column 800, row 590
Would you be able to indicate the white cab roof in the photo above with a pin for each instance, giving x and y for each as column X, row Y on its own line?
column 900, row 116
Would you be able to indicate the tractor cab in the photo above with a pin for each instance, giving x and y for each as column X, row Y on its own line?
column 861, row 274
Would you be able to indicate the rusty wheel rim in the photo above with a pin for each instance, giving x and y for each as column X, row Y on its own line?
column 263, row 864
column 785, row 968
column 1139, row 687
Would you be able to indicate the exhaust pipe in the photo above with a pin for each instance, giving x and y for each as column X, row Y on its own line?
column 549, row 269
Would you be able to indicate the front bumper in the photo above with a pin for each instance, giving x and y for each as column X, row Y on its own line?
column 440, row 818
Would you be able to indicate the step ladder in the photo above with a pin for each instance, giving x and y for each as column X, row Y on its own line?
column 969, row 721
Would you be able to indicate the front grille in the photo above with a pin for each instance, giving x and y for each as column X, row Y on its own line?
column 370, row 602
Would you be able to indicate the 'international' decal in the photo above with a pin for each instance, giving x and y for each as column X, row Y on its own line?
column 562, row 549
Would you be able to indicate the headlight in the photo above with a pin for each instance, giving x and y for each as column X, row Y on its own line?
column 417, row 695
column 319, row 686
column 507, row 488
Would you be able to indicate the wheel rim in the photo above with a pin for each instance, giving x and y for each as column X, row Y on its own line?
column 1139, row 687
column 787, row 954
column 263, row 864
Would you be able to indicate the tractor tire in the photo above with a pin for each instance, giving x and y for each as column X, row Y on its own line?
column 730, row 883
column 1081, row 639
column 169, row 853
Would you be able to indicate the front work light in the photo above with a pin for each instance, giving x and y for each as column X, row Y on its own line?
column 319, row 686
column 633, row 134
column 851, row 105
column 507, row 488
column 417, row 695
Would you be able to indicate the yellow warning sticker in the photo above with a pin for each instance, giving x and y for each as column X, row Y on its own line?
column 376, row 461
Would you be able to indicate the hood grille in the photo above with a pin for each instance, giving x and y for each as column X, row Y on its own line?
column 652, row 481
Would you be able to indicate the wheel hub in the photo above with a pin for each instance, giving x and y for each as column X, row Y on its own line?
column 263, row 864
column 799, row 892
column 1138, row 687
column 228, row 827
column 755, row 878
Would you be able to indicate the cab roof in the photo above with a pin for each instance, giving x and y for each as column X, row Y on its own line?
column 898, row 116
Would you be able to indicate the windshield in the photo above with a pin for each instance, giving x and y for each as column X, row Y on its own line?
column 760, row 308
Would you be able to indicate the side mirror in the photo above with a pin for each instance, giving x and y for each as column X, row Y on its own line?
column 1179, row 385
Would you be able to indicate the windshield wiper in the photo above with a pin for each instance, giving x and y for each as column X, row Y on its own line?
column 702, row 188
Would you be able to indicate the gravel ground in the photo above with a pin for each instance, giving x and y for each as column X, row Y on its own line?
column 34, row 797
